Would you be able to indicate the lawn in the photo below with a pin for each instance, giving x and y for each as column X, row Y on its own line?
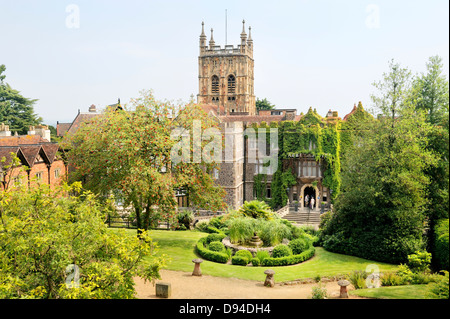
column 180, row 247
column 394, row 292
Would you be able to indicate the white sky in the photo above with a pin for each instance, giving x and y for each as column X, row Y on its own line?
column 325, row 54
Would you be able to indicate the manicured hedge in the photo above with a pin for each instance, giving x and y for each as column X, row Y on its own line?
column 209, row 254
column 239, row 260
column 289, row 260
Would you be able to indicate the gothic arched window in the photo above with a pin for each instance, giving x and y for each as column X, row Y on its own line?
column 231, row 84
column 215, row 85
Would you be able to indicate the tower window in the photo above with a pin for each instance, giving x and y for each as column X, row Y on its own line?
column 231, row 84
column 215, row 85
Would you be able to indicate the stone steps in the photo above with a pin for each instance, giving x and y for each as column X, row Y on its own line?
column 303, row 217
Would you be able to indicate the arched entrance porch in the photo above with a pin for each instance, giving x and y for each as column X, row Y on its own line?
column 311, row 191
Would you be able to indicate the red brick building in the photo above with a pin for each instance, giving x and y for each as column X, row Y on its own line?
column 39, row 160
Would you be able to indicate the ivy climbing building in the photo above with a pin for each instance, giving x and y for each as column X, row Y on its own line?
column 308, row 146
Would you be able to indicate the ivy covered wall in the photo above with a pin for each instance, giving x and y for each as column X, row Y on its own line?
column 316, row 136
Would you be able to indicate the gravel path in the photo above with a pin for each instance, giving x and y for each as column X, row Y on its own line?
column 186, row 286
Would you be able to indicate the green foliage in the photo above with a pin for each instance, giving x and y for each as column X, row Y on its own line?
column 16, row 110
column 264, row 104
column 358, row 279
column 216, row 246
column 299, row 245
column 255, row 262
column 239, row 260
column 214, row 237
column 439, row 290
column 419, row 262
column 391, row 279
column 131, row 156
column 262, row 254
column 256, row 209
column 185, row 218
column 245, row 254
column 281, row 251
column 289, row 260
column 319, row 291
column 45, row 231
column 441, row 245
column 241, row 229
column 220, row 257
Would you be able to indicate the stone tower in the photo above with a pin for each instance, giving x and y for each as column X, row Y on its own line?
column 226, row 75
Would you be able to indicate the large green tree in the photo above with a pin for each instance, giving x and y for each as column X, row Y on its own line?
column 54, row 244
column 128, row 153
column 264, row 104
column 381, row 210
column 16, row 110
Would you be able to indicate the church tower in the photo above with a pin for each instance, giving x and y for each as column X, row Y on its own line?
column 226, row 75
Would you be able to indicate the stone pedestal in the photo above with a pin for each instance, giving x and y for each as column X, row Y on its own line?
column 343, row 291
column 269, row 282
column 197, row 271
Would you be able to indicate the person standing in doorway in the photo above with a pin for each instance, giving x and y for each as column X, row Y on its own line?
column 306, row 200
column 312, row 202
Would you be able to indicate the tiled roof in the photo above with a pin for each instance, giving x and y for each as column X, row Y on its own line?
column 79, row 119
column 62, row 128
column 21, row 139
column 252, row 118
column 5, row 152
column 351, row 113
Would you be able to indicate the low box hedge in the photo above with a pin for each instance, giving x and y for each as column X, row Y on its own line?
column 289, row 260
column 209, row 254
column 239, row 260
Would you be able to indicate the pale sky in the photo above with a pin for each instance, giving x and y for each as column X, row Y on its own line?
column 325, row 54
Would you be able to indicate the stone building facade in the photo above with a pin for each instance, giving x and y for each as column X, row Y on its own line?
column 226, row 75
column 226, row 92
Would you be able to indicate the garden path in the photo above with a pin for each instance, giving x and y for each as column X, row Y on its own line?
column 186, row 286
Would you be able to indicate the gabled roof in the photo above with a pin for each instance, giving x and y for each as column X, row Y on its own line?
column 79, row 119
column 5, row 152
column 62, row 128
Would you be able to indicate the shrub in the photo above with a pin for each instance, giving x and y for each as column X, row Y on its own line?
column 298, row 245
column 202, row 226
column 319, row 292
column 439, row 290
column 209, row 254
column 216, row 246
column 419, row 262
column 262, row 254
column 245, row 254
column 391, row 279
column 185, row 218
column 239, row 260
column 255, row 262
column 404, row 273
column 358, row 279
column 289, row 260
column 215, row 237
column 281, row 251
column 272, row 232
column 441, row 245
column 217, row 222
column 256, row 209
column 241, row 229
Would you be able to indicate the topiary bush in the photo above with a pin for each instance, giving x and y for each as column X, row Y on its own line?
column 298, row 245
column 244, row 253
column 262, row 254
column 281, row 251
column 216, row 246
column 207, row 254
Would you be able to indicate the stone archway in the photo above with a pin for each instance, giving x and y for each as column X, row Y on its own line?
column 302, row 194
